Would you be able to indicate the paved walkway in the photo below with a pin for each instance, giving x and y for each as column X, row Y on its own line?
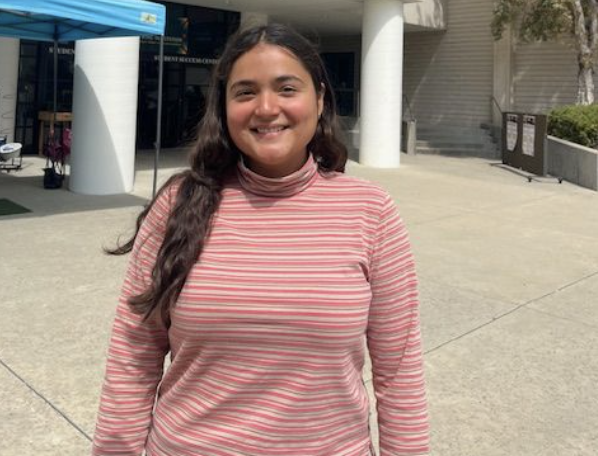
column 509, row 280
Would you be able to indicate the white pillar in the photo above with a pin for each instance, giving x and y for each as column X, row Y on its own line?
column 104, row 116
column 381, row 83
column 250, row 19
column 9, row 77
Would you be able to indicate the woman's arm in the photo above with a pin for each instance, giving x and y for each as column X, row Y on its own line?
column 136, row 353
column 394, row 341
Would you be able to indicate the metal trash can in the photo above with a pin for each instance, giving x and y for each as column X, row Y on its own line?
column 524, row 142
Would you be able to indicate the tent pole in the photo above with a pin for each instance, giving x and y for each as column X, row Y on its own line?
column 55, row 100
column 159, row 119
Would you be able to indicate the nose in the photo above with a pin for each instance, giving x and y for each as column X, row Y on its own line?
column 267, row 105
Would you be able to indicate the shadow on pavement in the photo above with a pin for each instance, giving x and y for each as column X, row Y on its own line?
column 25, row 187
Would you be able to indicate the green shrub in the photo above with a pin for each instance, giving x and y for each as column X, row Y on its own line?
column 578, row 124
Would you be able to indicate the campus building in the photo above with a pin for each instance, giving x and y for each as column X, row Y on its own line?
column 433, row 61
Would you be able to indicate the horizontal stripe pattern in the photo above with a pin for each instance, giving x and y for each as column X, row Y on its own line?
column 267, row 340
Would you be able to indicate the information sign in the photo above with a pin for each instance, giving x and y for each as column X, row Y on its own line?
column 512, row 132
column 529, row 135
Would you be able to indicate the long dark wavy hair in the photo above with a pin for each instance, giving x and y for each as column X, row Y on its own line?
column 215, row 157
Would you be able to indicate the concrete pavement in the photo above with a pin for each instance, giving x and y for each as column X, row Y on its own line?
column 509, row 282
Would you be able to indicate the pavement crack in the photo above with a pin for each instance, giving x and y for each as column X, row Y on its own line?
column 511, row 311
column 471, row 331
column 589, row 276
column 561, row 317
column 47, row 401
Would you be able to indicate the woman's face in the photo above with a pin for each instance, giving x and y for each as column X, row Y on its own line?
column 272, row 109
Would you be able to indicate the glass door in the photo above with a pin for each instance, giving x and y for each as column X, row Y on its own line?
column 26, row 124
column 35, row 92
column 184, row 95
column 341, row 69
column 197, row 80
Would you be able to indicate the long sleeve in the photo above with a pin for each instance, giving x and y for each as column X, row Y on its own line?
column 394, row 341
column 135, row 355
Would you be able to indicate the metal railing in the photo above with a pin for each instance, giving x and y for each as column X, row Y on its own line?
column 407, row 108
column 494, row 102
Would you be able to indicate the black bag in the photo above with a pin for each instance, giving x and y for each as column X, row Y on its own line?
column 52, row 178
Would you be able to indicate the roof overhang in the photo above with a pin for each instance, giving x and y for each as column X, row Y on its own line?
column 326, row 17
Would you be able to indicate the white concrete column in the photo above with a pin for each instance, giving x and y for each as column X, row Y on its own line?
column 251, row 19
column 9, row 77
column 381, row 83
column 104, row 116
column 503, row 76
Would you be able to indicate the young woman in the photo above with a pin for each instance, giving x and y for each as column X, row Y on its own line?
column 262, row 270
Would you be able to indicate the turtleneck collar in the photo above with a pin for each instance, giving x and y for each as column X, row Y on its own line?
column 281, row 187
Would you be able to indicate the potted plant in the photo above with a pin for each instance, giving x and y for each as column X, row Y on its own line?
column 56, row 153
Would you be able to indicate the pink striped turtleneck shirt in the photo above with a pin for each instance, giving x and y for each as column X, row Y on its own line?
column 267, row 339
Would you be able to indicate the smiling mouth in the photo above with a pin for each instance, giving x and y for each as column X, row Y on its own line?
column 268, row 130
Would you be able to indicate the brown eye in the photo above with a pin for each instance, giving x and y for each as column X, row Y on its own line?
column 288, row 90
column 243, row 93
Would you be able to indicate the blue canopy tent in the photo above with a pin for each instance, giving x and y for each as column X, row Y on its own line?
column 70, row 20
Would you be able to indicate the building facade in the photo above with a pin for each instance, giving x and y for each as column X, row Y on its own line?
column 433, row 61
column 195, row 37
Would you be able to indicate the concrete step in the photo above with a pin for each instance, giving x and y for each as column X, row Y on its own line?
column 427, row 131
column 456, row 141
column 438, row 140
column 470, row 136
column 451, row 144
column 459, row 152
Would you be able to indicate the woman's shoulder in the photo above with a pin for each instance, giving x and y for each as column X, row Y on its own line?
column 165, row 199
column 341, row 182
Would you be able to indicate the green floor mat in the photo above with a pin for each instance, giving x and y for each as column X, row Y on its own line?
column 7, row 207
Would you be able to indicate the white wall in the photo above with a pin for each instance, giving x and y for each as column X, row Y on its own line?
column 9, row 74
column 545, row 75
column 426, row 13
column 449, row 75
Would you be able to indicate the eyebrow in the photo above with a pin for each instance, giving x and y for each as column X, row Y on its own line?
column 279, row 80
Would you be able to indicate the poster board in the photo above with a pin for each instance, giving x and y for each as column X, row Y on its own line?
column 512, row 132
column 528, row 143
column 524, row 142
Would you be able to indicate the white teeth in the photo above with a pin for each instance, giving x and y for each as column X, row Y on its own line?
column 269, row 130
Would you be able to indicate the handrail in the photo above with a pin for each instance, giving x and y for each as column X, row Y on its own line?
column 497, row 134
column 492, row 99
column 407, row 104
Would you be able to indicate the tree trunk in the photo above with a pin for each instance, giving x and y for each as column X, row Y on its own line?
column 593, row 43
column 585, row 78
column 584, row 29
